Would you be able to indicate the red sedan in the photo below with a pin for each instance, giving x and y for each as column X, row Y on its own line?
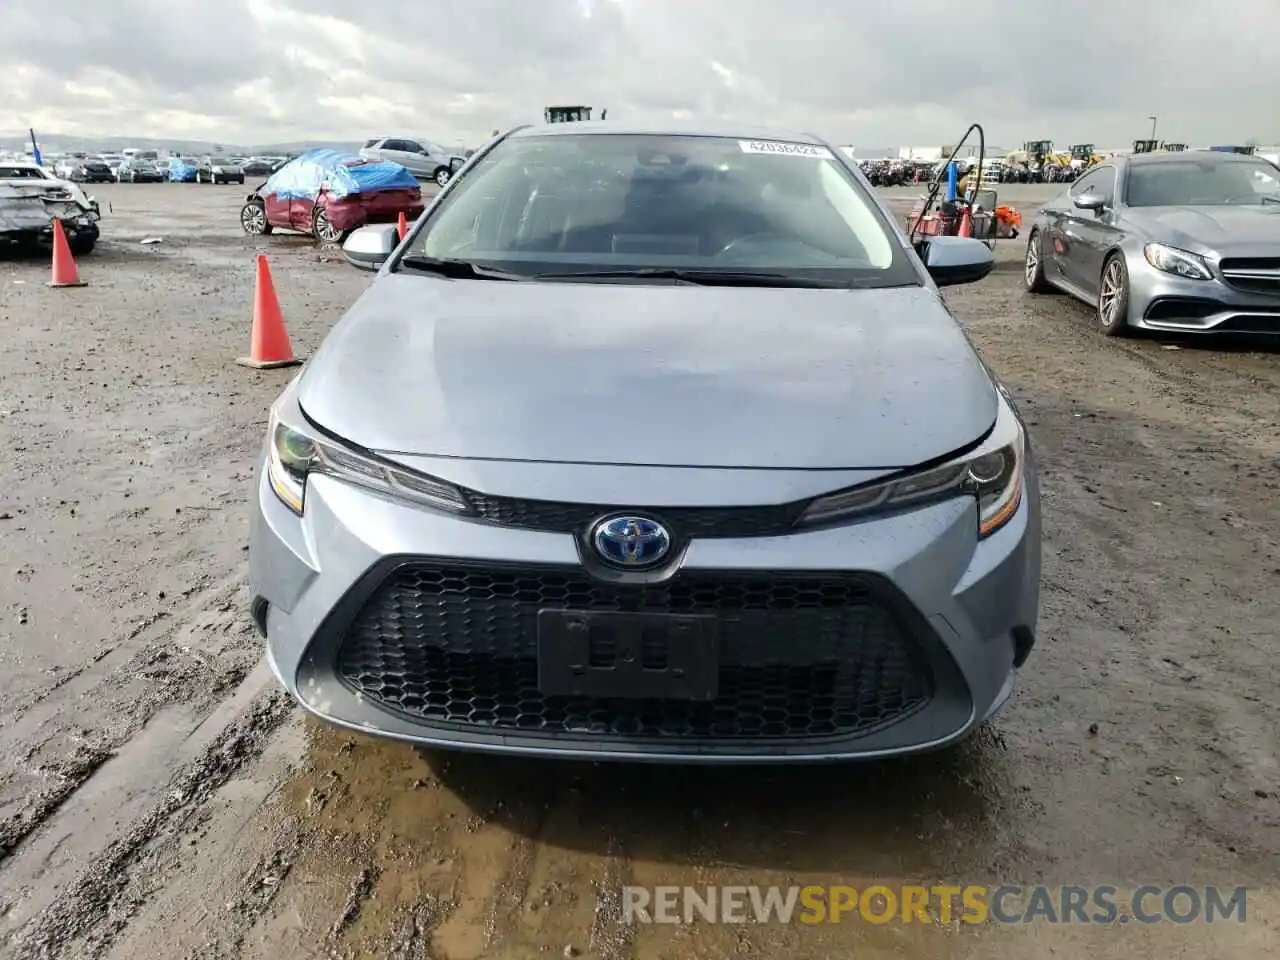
column 328, row 193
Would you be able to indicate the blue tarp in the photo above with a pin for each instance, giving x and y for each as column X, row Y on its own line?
column 339, row 173
column 181, row 171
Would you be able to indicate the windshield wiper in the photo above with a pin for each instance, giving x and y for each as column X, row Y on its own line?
column 706, row 278
column 459, row 269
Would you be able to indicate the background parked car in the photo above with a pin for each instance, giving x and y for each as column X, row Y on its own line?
column 258, row 166
column 113, row 161
column 85, row 170
column 422, row 158
column 329, row 193
column 218, row 170
column 139, row 170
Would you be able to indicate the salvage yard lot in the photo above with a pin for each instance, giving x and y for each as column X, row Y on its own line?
column 159, row 798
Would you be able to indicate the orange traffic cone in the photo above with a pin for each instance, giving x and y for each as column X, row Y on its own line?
column 65, row 273
column 402, row 225
column 966, row 224
column 270, row 345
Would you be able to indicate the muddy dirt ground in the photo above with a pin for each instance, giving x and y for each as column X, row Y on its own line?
column 159, row 798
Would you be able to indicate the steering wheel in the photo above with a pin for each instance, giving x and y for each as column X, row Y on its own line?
column 747, row 238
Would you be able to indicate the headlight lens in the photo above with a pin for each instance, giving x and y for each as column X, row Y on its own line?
column 294, row 454
column 1179, row 262
column 992, row 475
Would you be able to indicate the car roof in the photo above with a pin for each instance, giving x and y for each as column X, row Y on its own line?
column 731, row 131
column 1199, row 156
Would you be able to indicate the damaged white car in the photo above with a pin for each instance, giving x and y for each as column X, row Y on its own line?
column 31, row 198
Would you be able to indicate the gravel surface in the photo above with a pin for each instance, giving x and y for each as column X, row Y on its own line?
column 159, row 798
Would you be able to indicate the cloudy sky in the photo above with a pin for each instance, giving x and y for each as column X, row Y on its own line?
column 882, row 72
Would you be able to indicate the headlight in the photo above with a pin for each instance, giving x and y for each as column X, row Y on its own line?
column 992, row 475
column 1175, row 261
column 294, row 454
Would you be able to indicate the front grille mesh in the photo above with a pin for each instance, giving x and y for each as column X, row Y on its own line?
column 1252, row 274
column 805, row 657
column 695, row 522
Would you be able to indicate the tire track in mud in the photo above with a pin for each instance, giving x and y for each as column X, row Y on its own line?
column 1247, row 376
column 195, row 654
column 102, row 899
column 498, row 854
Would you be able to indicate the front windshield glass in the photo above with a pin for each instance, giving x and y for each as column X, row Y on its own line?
column 21, row 173
column 219, row 161
column 616, row 202
column 1203, row 182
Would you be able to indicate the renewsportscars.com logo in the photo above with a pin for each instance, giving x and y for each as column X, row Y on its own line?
column 971, row 904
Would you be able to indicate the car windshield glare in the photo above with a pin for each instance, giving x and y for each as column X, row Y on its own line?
column 1203, row 182
column 566, row 203
column 21, row 173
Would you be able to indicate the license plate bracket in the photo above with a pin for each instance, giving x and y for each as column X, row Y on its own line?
column 661, row 656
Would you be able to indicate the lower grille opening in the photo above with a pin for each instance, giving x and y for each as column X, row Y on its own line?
column 1185, row 309
column 800, row 657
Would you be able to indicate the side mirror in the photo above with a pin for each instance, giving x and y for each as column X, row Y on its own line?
column 1089, row 201
column 955, row 260
column 369, row 247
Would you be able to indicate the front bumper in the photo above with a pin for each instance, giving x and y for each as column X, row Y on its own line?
column 18, row 225
column 352, row 595
column 1165, row 302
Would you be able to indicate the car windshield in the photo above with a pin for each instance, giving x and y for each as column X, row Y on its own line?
column 1203, row 182
column 219, row 161
column 21, row 173
column 581, row 203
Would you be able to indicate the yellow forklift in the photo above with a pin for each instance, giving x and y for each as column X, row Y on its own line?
column 1038, row 151
column 1085, row 153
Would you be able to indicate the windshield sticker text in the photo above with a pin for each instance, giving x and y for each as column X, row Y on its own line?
column 786, row 149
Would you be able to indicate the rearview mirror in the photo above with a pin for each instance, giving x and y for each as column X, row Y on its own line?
column 1090, row 201
column 955, row 260
column 369, row 247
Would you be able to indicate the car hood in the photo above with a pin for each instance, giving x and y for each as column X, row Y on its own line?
column 1207, row 229
column 645, row 375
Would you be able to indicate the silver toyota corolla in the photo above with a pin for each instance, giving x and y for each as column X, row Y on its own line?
column 651, row 445
column 1186, row 242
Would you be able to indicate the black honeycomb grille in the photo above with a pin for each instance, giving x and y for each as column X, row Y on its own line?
column 800, row 657
column 686, row 521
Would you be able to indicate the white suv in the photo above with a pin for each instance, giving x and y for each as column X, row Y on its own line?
column 424, row 159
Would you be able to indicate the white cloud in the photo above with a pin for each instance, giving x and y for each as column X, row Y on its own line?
column 883, row 73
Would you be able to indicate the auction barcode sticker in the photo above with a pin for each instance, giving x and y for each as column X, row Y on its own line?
column 785, row 149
